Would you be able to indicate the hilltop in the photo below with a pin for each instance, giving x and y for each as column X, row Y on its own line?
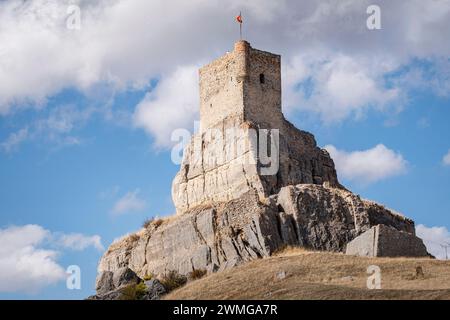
column 300, row 274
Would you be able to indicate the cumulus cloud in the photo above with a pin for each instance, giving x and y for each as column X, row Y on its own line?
column 332, row 64
column 130, row 202
column 337, row 86
column 434, row 238
column 446, row 159
column 173, row 104
column 24, row 266
column 368, row 166
column 27, row 261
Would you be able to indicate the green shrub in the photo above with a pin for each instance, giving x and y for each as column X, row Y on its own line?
column 133, row 291
column 173, row 280
column 196, row 274
column 148, row 277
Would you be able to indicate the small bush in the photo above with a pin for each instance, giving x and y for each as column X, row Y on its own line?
column 173, row 280
column 158, row 222
column 148, row 222
column 152, row 222
column 134, row 237
column 133, row 291
column 196, row 274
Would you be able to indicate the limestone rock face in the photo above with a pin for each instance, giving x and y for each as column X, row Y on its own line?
column 218, row 237
column 213, row 173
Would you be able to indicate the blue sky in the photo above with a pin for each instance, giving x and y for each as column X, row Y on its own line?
column 85, row 129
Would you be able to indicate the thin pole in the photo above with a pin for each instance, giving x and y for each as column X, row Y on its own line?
column 445, row 247
column 240, row 24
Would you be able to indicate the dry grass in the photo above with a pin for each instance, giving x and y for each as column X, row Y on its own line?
column 196, row 274
column 320, row 275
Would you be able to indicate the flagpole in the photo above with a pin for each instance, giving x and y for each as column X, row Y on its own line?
column 240, row 24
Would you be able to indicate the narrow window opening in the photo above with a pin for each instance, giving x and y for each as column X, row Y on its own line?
column 262, row 78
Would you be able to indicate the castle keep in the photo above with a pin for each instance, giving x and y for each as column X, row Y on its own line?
column 230, row 212
column 242, row 90
column 244, row 85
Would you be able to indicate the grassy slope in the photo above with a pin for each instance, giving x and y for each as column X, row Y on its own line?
column 319, row 275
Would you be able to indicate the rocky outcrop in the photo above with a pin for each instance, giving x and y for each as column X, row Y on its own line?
column 386, row 241
column 226, row 234
column 109, row 284
column 220, row 164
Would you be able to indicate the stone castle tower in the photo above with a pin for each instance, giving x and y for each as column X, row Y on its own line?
column 244, row 84
column 242, row 90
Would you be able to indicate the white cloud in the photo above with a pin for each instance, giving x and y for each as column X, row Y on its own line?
column 339, row 67
column 24, row 267
column 26, row 262
column 446, row 159
column 173, row 104
column 434, row 238
column 14, row 140
column 368, row 166
column 130, row 202
column 79, row 242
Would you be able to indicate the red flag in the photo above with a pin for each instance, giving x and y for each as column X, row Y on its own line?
column 239, row 18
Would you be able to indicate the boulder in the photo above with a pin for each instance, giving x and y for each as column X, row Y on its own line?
column 111, row 280
column 104, row 282
column 155, row 290
column 386, row 241
column 123, row 277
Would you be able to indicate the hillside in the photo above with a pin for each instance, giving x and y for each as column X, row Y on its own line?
column 320, row 275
